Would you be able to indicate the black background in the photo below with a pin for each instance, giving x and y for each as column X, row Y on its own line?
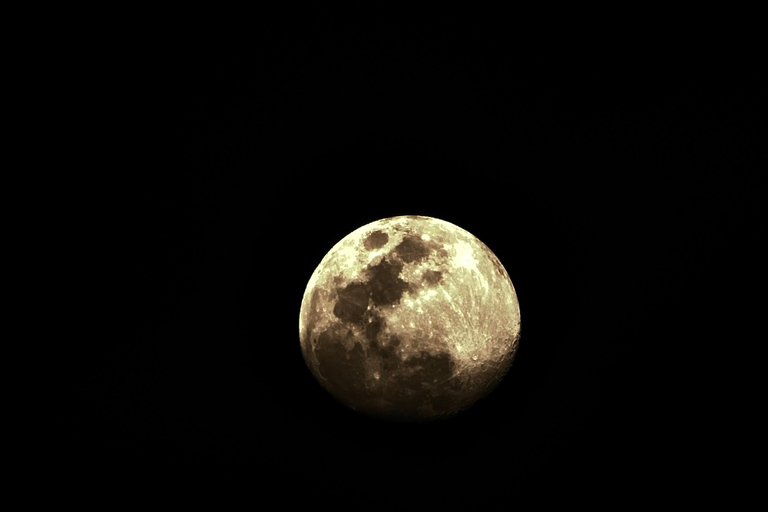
column 601, row 174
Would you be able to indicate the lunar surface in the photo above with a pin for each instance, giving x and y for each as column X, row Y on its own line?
column 409, row 319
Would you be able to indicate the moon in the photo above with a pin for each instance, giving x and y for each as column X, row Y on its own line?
column 409, row 318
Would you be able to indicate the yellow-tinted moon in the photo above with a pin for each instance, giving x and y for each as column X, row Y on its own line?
column 409, row 318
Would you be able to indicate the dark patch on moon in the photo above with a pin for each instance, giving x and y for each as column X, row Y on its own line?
column 457, row 384
column 432, row 277
column 390, row 361
column 415, row 374
column 412, row 249
column 442, row 403
column 352, row 303
column 418, row 382
column 375, row 240
column 384, row 284
column 432, row 366
column 373, row 326
column 344, row 369
column 383, row 288
column 414, row 388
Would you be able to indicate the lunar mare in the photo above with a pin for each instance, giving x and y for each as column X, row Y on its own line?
column 409, row 318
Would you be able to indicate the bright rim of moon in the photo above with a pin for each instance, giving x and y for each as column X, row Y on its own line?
column 409, row 318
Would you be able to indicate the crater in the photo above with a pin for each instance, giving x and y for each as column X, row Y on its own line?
column 432, row 277
column 375, row 240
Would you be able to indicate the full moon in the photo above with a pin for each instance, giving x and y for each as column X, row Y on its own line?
column 409, row 318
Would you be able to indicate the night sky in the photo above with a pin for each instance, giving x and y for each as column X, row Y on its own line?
column 600, row 175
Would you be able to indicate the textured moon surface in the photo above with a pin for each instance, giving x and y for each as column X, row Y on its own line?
column 409, row 318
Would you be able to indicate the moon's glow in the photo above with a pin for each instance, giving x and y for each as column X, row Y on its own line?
column 409, row 318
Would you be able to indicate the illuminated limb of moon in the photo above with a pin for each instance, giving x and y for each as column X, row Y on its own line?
column 409, row 318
